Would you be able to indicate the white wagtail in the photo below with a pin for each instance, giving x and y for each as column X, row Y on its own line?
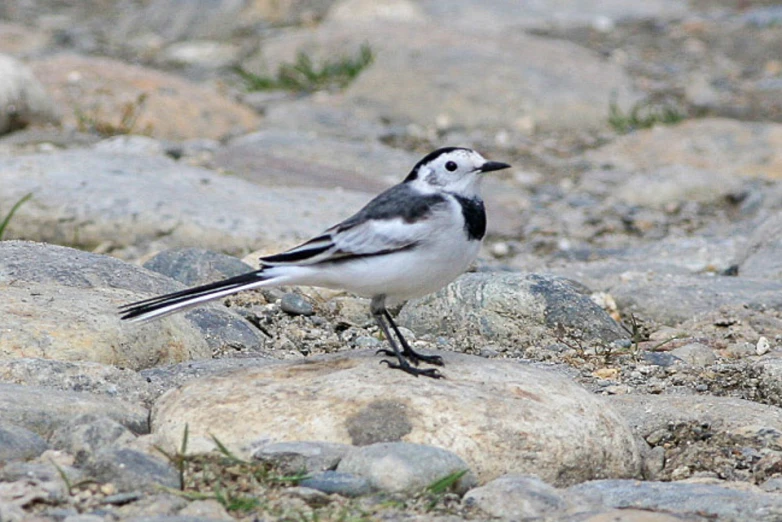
column 411, row 240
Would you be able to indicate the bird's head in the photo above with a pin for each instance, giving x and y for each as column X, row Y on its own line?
column 452, row 169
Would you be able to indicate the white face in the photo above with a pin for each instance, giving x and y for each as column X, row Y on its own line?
column 454, row 170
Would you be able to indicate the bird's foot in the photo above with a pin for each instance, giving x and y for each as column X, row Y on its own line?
column 403, row 365
column 415, row 357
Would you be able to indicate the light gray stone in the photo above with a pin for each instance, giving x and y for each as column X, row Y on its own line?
column 141, row 203
column 533, row 83
column 130, row 470
column 477, row 15
column 677, row 498
column 517, row 497
column 499, row 416
column 295, row 304
column 695, row 354
column 78, row 376
column 85, row 435
column 43, row 410
column 672, row 299
column 763, row 256
column 648, row 413
column 196, row 266
column 714, row 145
column 18, row 443
column 62, row 303
column 302, row 456
column 401, row 466
column 344, row 484
column 273, row 157
column 510, row 308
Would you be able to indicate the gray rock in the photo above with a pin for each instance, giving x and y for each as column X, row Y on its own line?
column 196, row 266
column 345, row 484
column 541, row 422
column 472, row 15
column 62, row 303
column 677, row 498
column 763, row 257
column 163, row 378
column 40, row 472
column 672, row 299
column 302, row 456
column 295, row 158
column 78, row 376
column 295, row 304
column 85, row 435
column 131, row 144
column 88, row 198
column 43, row 410
column 715, row 145
column 510, row 308
column 17, row 443
column 649, row 413
column 130, row 470
column 695, row 354
column 402, row 466
column 23, row 99
column 544, row 94
column 676, row 184
column 175, row 20
column 517, row 497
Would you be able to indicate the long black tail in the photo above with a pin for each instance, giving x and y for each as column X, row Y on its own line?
column 170, row 303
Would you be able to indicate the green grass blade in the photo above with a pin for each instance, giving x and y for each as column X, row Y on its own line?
column 10, row 214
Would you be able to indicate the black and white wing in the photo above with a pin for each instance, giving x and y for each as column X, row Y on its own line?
column 393, row 221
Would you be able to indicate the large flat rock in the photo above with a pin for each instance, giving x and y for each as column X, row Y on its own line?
column 500, row 417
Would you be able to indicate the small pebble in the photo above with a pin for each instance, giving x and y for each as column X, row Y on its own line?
column 295, row 304
column 763, row 346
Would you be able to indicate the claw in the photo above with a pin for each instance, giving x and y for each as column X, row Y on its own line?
column 434, row 373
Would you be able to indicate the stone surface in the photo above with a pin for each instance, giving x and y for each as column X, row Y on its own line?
column 477, row 15
column 89, row 377
column 85, row 435
column 196, row 266
column 711, row 145
column 23, row 99
column 648, row 413
column 74, row 296
column 517, row 497
column 303, row 456
column 288, row 158
column 95, row 91
column 401, row 466
column 344, row 484
column 138, row 203
column 130, row 470
column 43, row 410
column 702, row 500
column 672, row 299
column 558, row 86
column 511, row 309
column 163, row 378
column 478, row 413
column 17, row 443
column 763, row 256
column 295, row 304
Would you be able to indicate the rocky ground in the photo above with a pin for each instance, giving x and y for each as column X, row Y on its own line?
column 615, row 354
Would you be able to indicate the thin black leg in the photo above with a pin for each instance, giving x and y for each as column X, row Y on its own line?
column 402, row 363
column 408, row 352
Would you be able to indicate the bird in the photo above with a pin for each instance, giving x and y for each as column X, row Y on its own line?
column 409, row 241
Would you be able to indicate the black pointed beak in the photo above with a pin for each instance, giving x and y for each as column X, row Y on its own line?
column 490, row 166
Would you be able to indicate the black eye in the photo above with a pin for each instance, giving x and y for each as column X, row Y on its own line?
column 451, row 166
